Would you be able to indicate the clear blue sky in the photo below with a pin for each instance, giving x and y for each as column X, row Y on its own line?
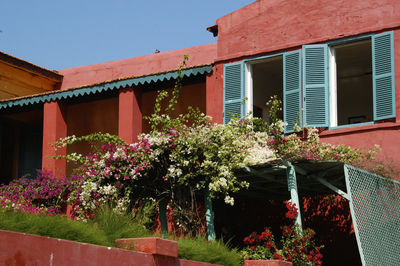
column 63, row 34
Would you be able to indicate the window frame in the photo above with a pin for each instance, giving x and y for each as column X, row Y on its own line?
column 248, row 79
column 332, row 80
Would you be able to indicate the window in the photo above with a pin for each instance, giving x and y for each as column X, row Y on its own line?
column 351, row 90
column 322, row 85
column 264, row 79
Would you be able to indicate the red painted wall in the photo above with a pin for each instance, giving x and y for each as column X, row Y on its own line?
column 191, row 95
column 271, row 25
column 19, row 249
column 94, row 116
column 130, row 114
column 386, row 135
column 214, row 94
column 137, row 66
column 90, row 117
column 54, row 128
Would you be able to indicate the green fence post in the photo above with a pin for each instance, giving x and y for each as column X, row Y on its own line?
column 292, row 187
column 209, row 215
column 162, row 207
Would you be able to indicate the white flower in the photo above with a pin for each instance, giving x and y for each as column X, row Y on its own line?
column 258, row 155
column 102, row 163
column 119, row 154
column 107, row 190
column 229, row 200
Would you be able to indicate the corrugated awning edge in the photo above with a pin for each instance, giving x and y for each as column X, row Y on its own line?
column 108, row 86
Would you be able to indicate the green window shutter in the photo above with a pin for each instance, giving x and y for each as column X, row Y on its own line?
column 292, row 89
column 233, row 90
column 316, row 89
column 383, row 76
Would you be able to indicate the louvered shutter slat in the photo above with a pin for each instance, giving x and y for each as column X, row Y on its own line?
column 315, row 77
column 383, row 76
column 292, row 89
column 233, row 90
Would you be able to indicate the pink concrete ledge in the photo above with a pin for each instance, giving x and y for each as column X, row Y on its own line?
column 182, row 262
column 267, row 263
column 20, row 249
column 149, row 245
column 165, row 252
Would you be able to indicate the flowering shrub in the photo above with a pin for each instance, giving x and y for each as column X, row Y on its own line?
column 186, row 155
column 294, row 148
column 109, row 176
column 44, row 194
column 292, row 210
column 160, row 164
column 296, row 246
column 259, row 247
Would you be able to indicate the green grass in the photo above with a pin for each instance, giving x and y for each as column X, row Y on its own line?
column 107, row 227
column 57, row 227
column 199, row 249
column 117, row 226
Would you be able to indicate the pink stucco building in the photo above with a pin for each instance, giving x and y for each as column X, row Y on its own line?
column 333, row 63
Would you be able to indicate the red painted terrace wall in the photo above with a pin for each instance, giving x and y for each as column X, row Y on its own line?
column 18, row 249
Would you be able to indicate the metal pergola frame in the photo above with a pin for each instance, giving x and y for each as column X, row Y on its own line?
column 307, row 178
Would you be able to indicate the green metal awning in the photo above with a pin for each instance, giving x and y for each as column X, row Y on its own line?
column 108, row 86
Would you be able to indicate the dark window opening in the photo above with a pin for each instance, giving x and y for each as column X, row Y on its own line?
column 267, row 78
column 354, row 83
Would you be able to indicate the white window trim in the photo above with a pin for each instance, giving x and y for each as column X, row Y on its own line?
column 249, row 80
column 332, row 72
column 249, row 89
column 333, row 119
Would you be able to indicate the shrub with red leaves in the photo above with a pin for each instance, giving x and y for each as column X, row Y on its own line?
column 292, row 210
column 296, row 245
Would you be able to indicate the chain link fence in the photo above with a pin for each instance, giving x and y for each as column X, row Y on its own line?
column 375, row 210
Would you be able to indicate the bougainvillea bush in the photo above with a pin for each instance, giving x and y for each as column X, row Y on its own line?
column 43, row 194
column 164, row 164
column 186, row 155
column 296, row 245
column 182, row 157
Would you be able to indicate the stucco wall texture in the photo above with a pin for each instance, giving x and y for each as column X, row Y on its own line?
column 271, row 26
column 137, row 66
column 90, row 117
column 19, row 249
column 190, row 95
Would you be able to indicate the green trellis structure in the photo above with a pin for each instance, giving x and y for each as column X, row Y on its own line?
column 374, row 201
